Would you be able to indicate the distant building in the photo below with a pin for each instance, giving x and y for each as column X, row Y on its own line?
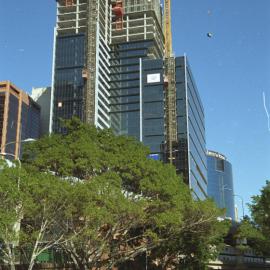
column 220, row 182
column 43, row 98
column 19, row 118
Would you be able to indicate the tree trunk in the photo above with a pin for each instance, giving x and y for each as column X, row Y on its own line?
column 31, row 265
column 12, row 266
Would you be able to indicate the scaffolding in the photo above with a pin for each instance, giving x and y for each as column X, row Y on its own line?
column 171, row 140
column 170, row 110
column 90, row 72
column 71, row 17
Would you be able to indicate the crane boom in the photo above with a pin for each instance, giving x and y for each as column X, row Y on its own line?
column 168, row 29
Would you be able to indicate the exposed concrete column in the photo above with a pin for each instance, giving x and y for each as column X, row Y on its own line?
column 106, row 21
column 127, row 28
column 77, row 16
column 145, row 23
column 110, row 24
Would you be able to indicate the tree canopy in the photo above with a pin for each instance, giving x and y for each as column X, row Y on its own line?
column 257, row 228
column 100, row 198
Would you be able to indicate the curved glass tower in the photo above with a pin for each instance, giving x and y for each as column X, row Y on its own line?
column 220, row 182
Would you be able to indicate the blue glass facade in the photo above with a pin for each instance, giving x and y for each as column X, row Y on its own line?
column 12, row 123
column 153, row 134
column 191, row 130
column 68, row 81
column 191, row 157
column 126, row 61
column 220, row 182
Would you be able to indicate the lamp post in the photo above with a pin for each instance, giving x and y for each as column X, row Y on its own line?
column 235, row 195
column 14, row 156
column 22, row 141
column 15, row 142
column 17, row 224
column 242, row 202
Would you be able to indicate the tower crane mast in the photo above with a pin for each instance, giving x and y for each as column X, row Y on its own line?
column 167, row 28
column 171, row 140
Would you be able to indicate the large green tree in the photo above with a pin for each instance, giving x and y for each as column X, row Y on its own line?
column 34, row 208
column 10, row 213
column 124, row 204
column 257, row 229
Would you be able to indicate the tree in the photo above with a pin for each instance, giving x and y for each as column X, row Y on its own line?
column 257, row 230
column 33, row 214
column 124, row 204
column 44, row 215
column 10, row 213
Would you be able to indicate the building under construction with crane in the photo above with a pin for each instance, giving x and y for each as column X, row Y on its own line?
column 114, row 67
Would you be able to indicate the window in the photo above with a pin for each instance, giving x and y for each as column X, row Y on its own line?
column 220, row 165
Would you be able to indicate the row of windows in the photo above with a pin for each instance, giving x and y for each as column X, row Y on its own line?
column 2, row 108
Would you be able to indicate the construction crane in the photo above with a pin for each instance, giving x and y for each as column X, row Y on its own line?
column 168, row 28
column 171, row 140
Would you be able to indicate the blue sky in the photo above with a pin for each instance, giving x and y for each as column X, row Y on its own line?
column 231, row 70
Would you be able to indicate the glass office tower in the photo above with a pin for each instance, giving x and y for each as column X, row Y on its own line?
column 81, row 62
column 191, row 129
column 19, row 118
column 220, row 182
column 152, row 106
column 110, row 66
column 140, row 38
column 191, row 157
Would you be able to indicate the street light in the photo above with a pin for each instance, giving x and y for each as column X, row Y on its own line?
column 242, row 201
column 22, row 141
column 17, row 224
column 12, row 155
column 235, row 195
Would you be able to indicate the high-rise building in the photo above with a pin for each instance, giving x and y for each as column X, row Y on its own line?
column 190, row 129
column 81, row 62
column 109, row 70
column 97, row 51
column 190, row 149
column 140, row 38
column 42, row 96
column 19, row 118
column 220, row 182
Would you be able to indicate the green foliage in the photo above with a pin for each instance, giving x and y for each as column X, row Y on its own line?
column 10, row 198
column 257, row 230
column 115, row 202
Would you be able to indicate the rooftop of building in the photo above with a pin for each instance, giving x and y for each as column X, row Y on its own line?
column 216, row 154
column 16, row 91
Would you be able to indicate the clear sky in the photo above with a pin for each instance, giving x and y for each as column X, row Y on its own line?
column 232, row 70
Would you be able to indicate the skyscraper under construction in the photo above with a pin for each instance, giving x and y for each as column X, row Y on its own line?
column 98, row 44
column 114, row 67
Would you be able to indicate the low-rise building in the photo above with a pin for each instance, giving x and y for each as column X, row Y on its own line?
column 19, row 118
